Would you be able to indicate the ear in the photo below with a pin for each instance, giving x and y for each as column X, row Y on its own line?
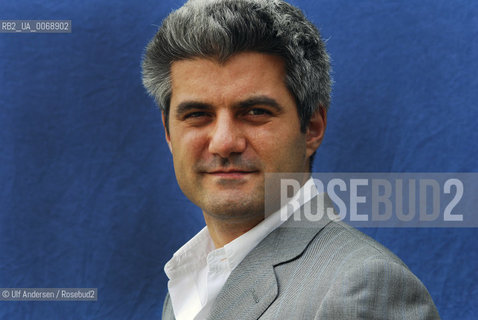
column 315, row 130
column 166, row 133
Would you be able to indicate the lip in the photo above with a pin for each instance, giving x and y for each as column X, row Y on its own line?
column 231, row 174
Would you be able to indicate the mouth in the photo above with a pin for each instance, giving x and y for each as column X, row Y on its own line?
column 231, row 173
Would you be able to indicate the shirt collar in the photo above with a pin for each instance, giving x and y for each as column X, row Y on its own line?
column 191, row 255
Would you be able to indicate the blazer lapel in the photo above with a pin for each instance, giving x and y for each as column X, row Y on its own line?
column 252, row 286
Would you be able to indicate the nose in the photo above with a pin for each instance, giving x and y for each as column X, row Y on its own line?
column 227, row 137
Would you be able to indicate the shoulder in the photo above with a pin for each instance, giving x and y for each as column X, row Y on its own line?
column 366, row 280
column 376, row 288
column 351, row 246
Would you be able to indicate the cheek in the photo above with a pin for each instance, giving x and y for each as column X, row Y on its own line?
column 282, row 151
column 187, row 147
column 268, row 146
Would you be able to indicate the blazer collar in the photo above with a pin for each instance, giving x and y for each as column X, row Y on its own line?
column 252, row 285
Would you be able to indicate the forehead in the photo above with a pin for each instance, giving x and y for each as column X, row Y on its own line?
column 242, row 75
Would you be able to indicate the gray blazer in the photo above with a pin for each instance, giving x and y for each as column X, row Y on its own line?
column 320, row 270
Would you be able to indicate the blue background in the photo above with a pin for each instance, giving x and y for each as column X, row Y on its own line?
column 88, row 197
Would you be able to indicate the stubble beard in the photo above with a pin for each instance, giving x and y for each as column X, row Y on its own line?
column 224, row 200
column 234, row 207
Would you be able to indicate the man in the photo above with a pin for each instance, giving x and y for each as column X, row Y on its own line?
column 244, row 87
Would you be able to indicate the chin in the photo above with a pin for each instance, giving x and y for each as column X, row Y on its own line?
column 223, row 209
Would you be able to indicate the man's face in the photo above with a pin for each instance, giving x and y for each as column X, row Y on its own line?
column 229, row 124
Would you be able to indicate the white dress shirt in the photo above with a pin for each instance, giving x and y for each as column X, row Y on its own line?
column 198, row 271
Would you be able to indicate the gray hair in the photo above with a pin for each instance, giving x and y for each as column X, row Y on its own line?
column 221, row 28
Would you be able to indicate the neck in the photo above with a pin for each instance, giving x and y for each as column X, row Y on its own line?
column 222, row 232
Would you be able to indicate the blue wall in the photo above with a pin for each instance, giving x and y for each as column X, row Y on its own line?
column 88, row 197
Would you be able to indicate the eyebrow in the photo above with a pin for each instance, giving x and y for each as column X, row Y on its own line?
column 186, row 106
column 259, row 100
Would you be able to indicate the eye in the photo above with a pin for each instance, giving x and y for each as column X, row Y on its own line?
column 258, row 112
column 195, row 114
column 197, row 118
